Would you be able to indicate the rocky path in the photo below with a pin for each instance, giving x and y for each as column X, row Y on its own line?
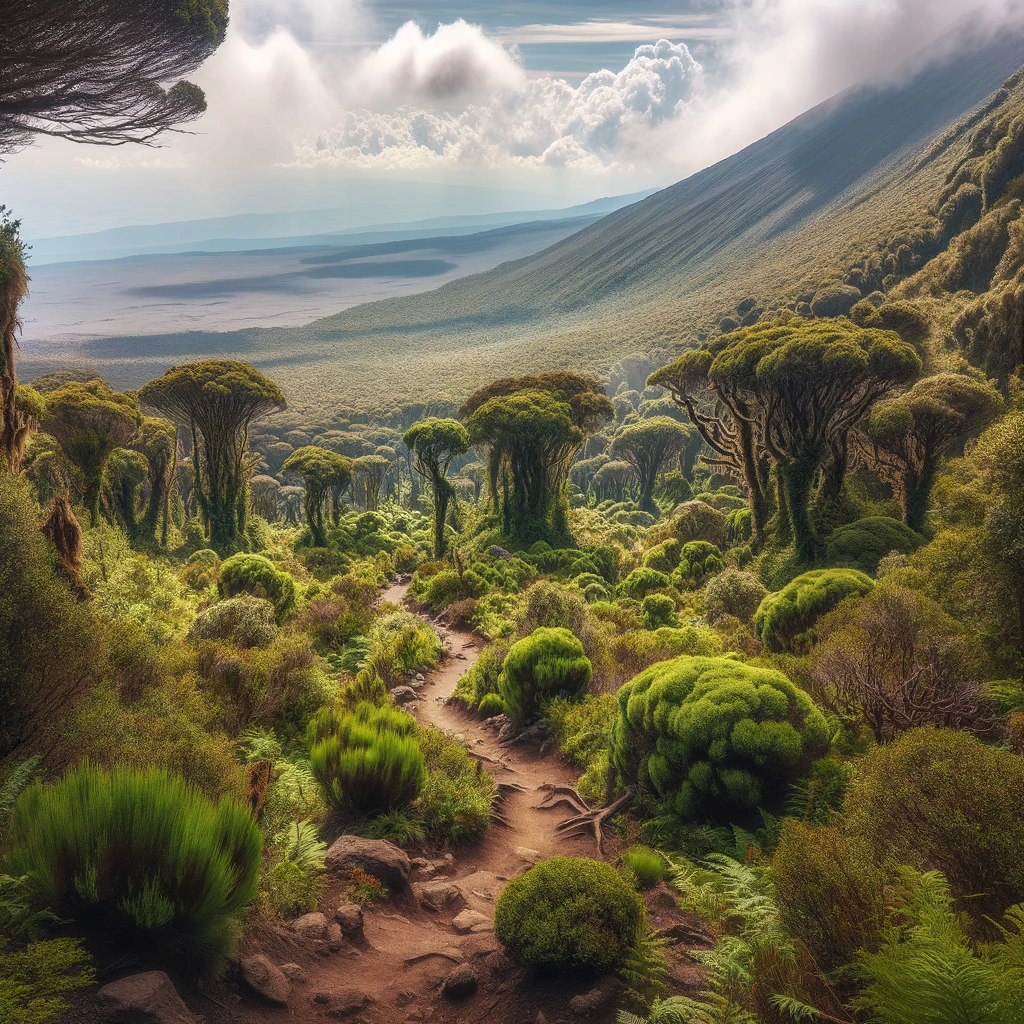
column 417, row 948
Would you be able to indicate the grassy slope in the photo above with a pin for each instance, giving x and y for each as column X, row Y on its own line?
column 768, row 223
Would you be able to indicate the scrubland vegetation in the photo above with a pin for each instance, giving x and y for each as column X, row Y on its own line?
column 767, row 597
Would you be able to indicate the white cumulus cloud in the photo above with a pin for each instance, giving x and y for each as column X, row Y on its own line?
column 505, row 118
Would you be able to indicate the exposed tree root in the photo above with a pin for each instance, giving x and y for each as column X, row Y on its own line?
column 585, row 821
column 504, row 788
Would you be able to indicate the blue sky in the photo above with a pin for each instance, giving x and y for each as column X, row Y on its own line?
column 317, row 104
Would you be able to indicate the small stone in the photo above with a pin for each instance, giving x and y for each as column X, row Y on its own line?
column 147, row 998
column 335, row 936
column 266, row 980
column 530, row 856
column 404, row 694
column 345, row 1002
column 438, row 895
column 419, row 677
column 460, row 983
column 321, row 947
column 293, row 972
column 594, row 1001
column 311, row 926
column 350, row 916
column 445, row 863
column 472, row 921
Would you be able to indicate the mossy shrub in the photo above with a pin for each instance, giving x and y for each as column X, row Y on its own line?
column 570, row 915
column 548, row 663
column 698, row 560
column 938, row 798
column 863, row 544
column 491, row 705
column 141, row 858
column 367, row 761
column 735, row 593
column 658, row 610
column 663, row 557
column 641, row 582
column 244, row 620
column 256, row 575
column 784, row 621
column 713, row 739
column 646, row 866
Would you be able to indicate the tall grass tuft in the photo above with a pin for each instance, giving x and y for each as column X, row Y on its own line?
column 139, row 857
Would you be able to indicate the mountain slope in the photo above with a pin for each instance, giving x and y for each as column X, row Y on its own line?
column 833, row 186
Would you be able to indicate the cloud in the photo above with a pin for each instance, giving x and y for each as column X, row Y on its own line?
column 691, row 26
column 511, row 120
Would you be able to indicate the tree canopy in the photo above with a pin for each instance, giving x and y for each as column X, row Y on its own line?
column 320, row 469
column 105, row 72
column 647, row 445
column 217, row 399
column 435, row 442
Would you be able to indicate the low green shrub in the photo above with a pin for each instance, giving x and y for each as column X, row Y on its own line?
column 244, row 620
column 141, row 858
column 401, row 827
column 458, row 796
column 784, row 621
column 491, row 705
column 571, row 915
column 34, row 979
column 864, row 543
column 646, row 866
column 399, row 643
column 547, row 663
column 937, row 798
column 733, row 593
column 663, row 557
column 713, row 738
column 641, row 582
column 256, row 575
column 698, row 560
column 658, row 610
column 367, row 761
column 481, row 678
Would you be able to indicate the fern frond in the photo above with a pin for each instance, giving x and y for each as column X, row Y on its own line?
column 303, row 846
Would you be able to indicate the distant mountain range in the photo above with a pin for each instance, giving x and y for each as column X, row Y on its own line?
column 246, row 232
column 760, row 229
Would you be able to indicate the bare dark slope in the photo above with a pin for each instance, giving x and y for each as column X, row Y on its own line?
column 794, row 207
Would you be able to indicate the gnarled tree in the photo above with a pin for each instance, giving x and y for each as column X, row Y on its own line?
column 105, row 72
column 534, row 427
column 89, row 421
column 371, row 471
column 157, row 440
column 435, row 442
column 216, row 400
column 320, row 469
column 907, row 435
column 13, row 288
column 809, row 384
column 647, row 445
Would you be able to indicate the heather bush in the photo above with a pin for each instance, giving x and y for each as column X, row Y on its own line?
column 733, row 593
column 547, row 663
column 784, row 621
column 141, row 858
column 641, row 582
column 457, row 798
column 658, row 610
column 244, row 620
column 713, row 738
column 570, row 915
column 256, row 575
column 863, row 544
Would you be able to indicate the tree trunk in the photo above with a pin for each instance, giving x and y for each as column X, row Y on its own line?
column 796, row 480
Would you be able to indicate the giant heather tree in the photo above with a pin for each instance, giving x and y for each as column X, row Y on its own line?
column 535, row 427
column 434, row 443
column 321, row 471
column 157, row 441
column 217, row 399
column 89, row 421
column 647, row 445
column 103, row 71
column 908, row 435
column 13, row 288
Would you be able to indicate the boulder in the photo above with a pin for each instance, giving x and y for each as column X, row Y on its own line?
column 335, row 936
column 293, row 972
column 460, row 983
column 266, row 980
column 439, row 895
column 311, row 926
column 376, row 857
column 404, row 694
column 148, row 998
column 350, row 917
column 472, row 921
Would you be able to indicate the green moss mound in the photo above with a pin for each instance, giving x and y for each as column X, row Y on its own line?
column 548, row 663
column 784, row 620
column 141, row 858
column 491, row 705
column 570, row 914
column 256, row 575
column 713, row 739
column 863, row 544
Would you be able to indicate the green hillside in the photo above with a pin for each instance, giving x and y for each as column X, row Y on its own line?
column 857, row 178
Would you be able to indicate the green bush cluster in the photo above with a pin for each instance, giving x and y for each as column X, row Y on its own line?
column 548, row 663
column 734, row 593
column 641, row 582
column 142, row 858
column 698, row 559
column 570, row 915
column 658, row 610
column 457, row 798
column 712, row 738
column 368, row 760
column 245, row 620
column 581, row 729
column 257, row 575
column 644, row 865
column 784, row 621
column 863, row 544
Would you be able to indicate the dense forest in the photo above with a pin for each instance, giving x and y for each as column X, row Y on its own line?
column 761, row 599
